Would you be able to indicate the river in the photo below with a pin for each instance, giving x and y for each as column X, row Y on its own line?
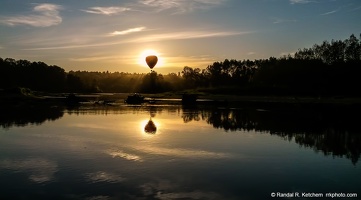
column 177, row 152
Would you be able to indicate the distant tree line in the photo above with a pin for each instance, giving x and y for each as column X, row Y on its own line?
column 331, row 68
column 34, row 75
column 41, row 77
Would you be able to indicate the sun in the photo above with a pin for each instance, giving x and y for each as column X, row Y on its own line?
column 148, row 52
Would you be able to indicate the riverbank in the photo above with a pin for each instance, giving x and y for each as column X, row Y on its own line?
column 21, row 96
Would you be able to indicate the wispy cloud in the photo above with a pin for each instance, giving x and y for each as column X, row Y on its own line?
column 187, row 35
column 46, row 15
column 343, row 8
column 354, row 9
column 181, row 6
column 94, row 58
column 279, row 21
column 146, row 38
column 106, row 10
column 128, row 31
column 300, row 1
column 331, row 12
column 197, row 61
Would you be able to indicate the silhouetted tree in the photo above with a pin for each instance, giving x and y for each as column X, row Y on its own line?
column 329, row 68
column 35, row 75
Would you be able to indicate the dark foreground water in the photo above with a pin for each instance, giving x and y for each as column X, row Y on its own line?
column 172, row 152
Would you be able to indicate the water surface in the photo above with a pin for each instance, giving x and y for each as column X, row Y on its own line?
column 104, row 152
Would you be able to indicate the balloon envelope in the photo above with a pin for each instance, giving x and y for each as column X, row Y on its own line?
column 151, row 61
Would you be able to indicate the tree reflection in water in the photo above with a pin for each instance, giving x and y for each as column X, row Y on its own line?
column 332, row 130
column 24, row 115
column 191, row 114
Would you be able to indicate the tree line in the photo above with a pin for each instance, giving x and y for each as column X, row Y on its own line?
column 330, row 68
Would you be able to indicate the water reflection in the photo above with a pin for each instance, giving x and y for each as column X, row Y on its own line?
column 121, row 154
column 101, row 176
column 150, row 127
column 25, row 115
column 192, row 114
column 38, row 170
column 197, row 153
column 334, row 131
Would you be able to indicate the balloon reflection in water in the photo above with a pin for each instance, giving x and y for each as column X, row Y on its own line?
column 150, row 127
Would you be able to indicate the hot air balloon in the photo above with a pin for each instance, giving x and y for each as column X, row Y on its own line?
column 151, row 61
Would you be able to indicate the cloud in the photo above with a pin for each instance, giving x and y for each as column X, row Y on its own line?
column 128, row 31
column 148, row 38
column 181, row 6
column 94, row 58
column 197, row 61
column 187, row 35
column 46, row 15
column 300, row 1
column 279, row 21
column 357, row 8
column 342, row 8
column 329, row 13
column 106, row 10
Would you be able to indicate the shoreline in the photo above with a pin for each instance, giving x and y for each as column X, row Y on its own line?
column 175, row 98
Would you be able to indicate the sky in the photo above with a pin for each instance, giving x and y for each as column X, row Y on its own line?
column 116, row 35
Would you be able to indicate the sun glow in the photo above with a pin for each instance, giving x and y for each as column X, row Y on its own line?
column 148, row 52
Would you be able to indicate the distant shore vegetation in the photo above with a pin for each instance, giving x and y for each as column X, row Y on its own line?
column 327, row 69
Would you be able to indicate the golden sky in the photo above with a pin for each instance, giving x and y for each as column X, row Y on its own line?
column 113, row 35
